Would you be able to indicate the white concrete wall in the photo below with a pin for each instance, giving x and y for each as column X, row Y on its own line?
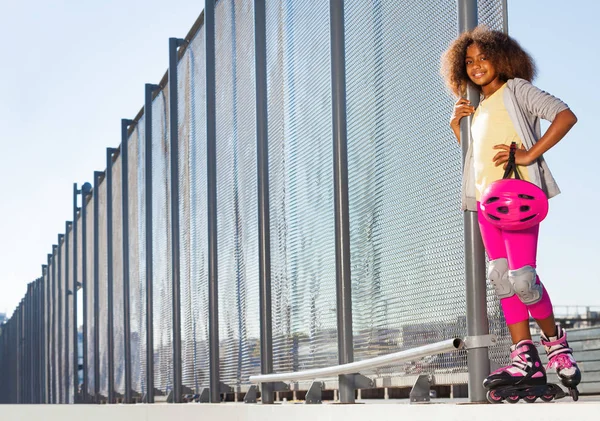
column 580, row 411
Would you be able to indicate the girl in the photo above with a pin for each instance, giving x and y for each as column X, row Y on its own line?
column 509, row 111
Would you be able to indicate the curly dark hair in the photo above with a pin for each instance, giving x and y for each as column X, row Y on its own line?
column 507, row 56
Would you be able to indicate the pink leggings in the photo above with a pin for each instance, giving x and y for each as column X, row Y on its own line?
column 520, row 248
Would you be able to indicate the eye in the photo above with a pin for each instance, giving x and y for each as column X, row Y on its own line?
column 469, row 62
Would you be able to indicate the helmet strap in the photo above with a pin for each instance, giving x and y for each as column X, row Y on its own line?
column 511, row 166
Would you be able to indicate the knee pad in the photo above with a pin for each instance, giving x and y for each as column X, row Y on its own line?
column 498, row 276
column 523, row 281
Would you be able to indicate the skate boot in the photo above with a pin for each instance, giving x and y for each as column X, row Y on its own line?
column 560, row 357
column 524, row 379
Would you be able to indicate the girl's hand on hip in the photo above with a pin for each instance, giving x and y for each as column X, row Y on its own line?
column 521, row 156
column 462, row 108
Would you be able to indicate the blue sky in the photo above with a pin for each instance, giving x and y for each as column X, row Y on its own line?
column 71, row 70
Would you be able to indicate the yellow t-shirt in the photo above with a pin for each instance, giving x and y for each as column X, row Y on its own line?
column 492, row 126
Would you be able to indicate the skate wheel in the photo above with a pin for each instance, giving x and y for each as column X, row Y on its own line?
column 530, row 399
column 493, row 397
column 574, row 394
column 512, row 399
column 546, row 398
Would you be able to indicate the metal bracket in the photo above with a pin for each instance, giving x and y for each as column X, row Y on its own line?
column 363, row 382
column 482, row 341
column 420, row 390
column 204, row 396
column 314, row 394
column 251, row 395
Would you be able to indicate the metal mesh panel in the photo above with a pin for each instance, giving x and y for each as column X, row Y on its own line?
column 301, row 188
column 80, row 302
column 137, row 256
column 60, row 338
column 406, row 226
column 47, row 334
column 90, row 298
column 161, row 245
column 490, row 13
column 102, row 289
column 55, row 332
column 193, row 215
column 237, row 213
column 117, row 251
column 70, row 297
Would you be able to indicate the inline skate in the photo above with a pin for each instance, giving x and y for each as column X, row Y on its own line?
column 560, row 357
column 524, row 378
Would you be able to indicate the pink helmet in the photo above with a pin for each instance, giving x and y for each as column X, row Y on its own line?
column 513, row 204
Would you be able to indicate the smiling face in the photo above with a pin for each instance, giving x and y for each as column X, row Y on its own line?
column 481, row 71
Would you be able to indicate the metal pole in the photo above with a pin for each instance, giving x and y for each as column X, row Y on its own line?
column 505, row 16
column 110, row 280
column 342, row 218
column 125, row 216
column 264, row 234
column 174, row 44
column 67, row 295
column 149, row 307
column 75, row 283
column 85, row 281
column 211, row 164
column 97, row 179
column 477, row 321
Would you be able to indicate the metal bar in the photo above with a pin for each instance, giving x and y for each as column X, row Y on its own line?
column 174, row 44
column 264, row 233
column 342, row 218
column 85, row 190
column 149, row 89
column 97, row 179
column 505, row 16
column 477, row 321
column 128, row 398
column 110, row 278
column 75, row 361
column 357, row 366
column 211, row 164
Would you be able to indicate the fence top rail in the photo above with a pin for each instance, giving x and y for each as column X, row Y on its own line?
column 358, row 366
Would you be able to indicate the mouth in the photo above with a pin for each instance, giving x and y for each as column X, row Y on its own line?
column 478, row 75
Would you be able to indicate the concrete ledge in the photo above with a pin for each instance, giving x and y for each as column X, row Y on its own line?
column 581, row 411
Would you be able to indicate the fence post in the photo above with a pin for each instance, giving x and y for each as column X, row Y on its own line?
column 125, row 217
column 174, row 44
column 211, row 165
column 149, row 89
column 342, row 218
column 264, row 234
column 97, row 179
column 477, row 321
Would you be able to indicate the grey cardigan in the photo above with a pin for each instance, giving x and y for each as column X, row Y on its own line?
column 525, row 104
